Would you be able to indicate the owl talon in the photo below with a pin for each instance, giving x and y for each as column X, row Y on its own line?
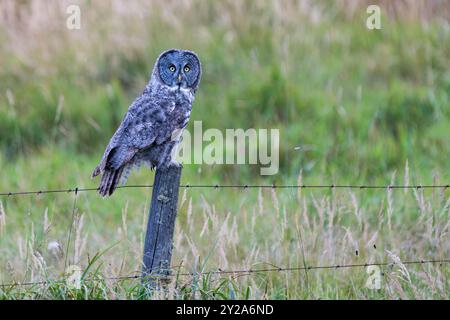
column 175, row 164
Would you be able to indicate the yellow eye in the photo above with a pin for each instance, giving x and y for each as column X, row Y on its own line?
column 172, row 68
column 187, row 68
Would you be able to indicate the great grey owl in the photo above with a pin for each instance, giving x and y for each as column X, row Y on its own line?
column 152, row 127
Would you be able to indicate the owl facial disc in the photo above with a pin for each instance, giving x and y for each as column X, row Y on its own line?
column 179, row 68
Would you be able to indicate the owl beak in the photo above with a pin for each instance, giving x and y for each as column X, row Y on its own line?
column 180, row 77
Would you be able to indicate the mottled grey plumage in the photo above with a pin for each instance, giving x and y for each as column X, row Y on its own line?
column 153, row 124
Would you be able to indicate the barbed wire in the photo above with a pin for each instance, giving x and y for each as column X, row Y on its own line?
column 77, row 190
column 240, row 271
column 219, row 271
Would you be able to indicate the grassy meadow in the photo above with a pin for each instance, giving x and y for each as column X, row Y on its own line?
column 353, row 106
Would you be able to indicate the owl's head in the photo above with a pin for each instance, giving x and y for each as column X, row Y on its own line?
column 179, row 68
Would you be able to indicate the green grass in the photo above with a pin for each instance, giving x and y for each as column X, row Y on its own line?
column 367, row 107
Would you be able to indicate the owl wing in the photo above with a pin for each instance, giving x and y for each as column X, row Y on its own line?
column 136, row 132
column 126, row 140
column 146, row 123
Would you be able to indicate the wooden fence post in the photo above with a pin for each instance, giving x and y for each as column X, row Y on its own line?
column 161, row 222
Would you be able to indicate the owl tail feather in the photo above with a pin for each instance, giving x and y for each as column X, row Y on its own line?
column 109, row 182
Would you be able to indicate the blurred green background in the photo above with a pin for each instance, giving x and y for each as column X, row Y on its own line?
column 359, row 103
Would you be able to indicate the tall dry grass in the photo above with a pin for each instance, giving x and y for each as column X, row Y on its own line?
column 35, row 31
column 261, row 229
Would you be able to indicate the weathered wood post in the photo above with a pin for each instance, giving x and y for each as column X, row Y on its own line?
column 161, row 223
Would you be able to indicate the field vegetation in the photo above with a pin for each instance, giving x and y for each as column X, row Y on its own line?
column 353, row 106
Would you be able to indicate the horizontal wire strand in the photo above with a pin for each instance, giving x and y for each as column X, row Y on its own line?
column 247, row 271
column 236, row 186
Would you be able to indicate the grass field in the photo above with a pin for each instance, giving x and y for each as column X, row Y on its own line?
column 353, row 106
